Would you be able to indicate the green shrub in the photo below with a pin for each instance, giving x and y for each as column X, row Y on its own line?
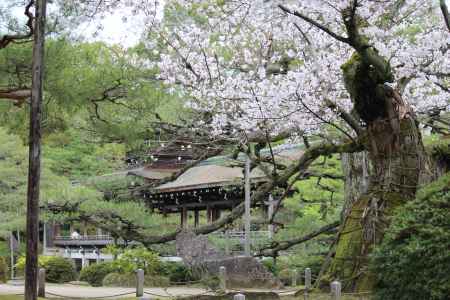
column 270, row 265
column 137, row 258
column 58, row 269
column 94, row 274
column 285, row 276
column 129, row 280
column 210, row 281
column 21, row 262
column 156, row 281
column 176, row 272
column 413, row 261
column 119, row 280
column 3, row 269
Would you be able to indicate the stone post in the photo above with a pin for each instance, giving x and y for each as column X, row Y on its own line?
column 139, row 283
column 227, row 243
column 223, row 278
column 307, row 279
column 335, row 290
column 239, row 297
column 294, row 277
column 41, row 283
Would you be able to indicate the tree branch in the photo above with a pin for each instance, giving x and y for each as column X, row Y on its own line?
column 278, row 246
column 19, row 95
column 352, row 122
column 300, row 166
column 7, row 39
column 315, row 23
column 445, row 13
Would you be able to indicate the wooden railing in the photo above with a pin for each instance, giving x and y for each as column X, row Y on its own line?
column 84, row 238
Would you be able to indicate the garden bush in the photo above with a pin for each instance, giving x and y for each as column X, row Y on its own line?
column 94, row 274
column 176, row 272
column 58, row 269
column 413, row 261
column 285, row 276
column 270, row 265
column 129, row 280
column 137, row 258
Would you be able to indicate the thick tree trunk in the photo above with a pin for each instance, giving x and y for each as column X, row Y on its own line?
column 356, row 169
column 397, row 158
column 397, row 162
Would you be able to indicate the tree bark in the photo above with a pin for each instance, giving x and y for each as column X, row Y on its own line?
column 356, row 169
column 394, row 146
column 34, row 167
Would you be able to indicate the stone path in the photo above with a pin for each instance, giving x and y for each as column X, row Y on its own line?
column 75, row 291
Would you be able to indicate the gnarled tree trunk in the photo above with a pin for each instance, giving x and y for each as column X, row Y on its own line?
column 394, row 146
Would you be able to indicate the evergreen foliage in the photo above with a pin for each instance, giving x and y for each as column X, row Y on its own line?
column 413, row 262
column 58, row 269
column 94, row 274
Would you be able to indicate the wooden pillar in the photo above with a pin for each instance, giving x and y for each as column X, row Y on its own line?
column 184, row 217
column 196, row 218
column 215, row 214
column 209, row 214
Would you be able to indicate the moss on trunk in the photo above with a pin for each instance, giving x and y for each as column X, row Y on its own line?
column 396, row 153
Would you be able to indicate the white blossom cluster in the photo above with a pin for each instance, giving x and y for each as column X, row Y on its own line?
column 254, row 66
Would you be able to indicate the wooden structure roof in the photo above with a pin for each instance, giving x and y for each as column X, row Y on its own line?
column 217, row 181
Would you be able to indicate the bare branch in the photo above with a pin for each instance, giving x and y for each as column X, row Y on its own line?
column 7, row 39
column 315, row 23
column 352, row 122
column 277, row 246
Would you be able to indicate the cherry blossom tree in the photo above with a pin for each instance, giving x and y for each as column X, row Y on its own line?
column 365, row 68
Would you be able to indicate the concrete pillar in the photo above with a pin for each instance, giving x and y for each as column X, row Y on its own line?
column 196, row 218
column 184, row 217
column 139, row 283
column 294, row 277
column 307, row 279
column 41, row 283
